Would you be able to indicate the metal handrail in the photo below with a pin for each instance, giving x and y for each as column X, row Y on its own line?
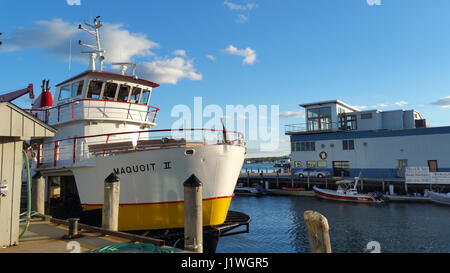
column 153, row 110
column 56, row 144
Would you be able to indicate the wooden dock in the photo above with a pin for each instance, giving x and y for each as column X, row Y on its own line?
column 45, row 236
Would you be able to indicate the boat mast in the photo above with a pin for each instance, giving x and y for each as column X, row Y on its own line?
column 96, row 49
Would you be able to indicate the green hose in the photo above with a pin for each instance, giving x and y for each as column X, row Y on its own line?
column 28, row 218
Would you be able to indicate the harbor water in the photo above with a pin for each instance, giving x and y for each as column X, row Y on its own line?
column 277, row 226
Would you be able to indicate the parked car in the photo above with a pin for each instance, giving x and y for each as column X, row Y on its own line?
column 312, row 173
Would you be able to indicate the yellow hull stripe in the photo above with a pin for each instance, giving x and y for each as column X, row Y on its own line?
column 167, row 214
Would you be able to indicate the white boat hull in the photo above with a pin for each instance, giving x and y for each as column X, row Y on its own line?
column 440, row 198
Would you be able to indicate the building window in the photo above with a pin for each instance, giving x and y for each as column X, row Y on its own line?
column 310, row 164
column 307, row 146
column 319, row 119
column 348, row 144
column 322, row 164
column 347, row 122
column 432, row 165
column 341, row 168
column 366, row 116
column 297, row 164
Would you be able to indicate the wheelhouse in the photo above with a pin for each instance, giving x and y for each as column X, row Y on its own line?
column 100, row 85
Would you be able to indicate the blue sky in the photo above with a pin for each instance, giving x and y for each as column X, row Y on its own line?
column 385, row 54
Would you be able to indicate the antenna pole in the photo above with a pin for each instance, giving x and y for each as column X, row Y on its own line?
column 96, row 50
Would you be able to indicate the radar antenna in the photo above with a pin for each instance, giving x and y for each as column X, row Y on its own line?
column 95, row 49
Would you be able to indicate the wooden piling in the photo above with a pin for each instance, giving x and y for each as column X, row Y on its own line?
column 317, row 226
column 193, row 215
column 110, row 219
column 382, row 183
column 38, row 193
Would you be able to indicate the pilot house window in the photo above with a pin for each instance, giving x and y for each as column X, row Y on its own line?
column 124, row 93
column 77, row 88
column 95, row 88
column 145, row 96
column 64, row 92
column 110, row 91
column 135, row 94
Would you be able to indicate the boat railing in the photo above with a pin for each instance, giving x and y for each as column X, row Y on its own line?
column 70, row 151
column 96, row 109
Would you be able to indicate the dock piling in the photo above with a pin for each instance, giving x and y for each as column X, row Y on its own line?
column 319, row 237
column 193, row 215
column 110, row 219
column 38, row 193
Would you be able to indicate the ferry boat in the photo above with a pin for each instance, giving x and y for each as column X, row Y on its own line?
column 105, row 125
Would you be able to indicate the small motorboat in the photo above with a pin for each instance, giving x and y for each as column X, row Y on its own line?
column 441, row 198
column 347, row 192
column 249, row 191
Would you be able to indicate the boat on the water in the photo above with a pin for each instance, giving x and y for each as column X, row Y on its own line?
column 104, row 125
column 441, row 198
column 249, row 191
column 347, row 192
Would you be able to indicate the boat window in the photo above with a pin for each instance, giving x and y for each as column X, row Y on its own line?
column 110, row 91
column 135, row 94
column 64, row 92
column 124, row 93
column 95, row 88
column 145, row 96
column 77, row 88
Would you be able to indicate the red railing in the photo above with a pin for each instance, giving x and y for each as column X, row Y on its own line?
column 150, row 112
column 56, row 145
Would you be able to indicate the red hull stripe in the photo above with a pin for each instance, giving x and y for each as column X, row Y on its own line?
column 154, row 203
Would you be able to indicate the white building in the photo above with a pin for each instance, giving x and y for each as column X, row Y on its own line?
column 344, row 140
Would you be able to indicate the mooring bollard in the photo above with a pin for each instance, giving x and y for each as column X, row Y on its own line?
column 38, row 193
column 319, row 237
column 110, row 219
column 193, row 215
column 73, row 227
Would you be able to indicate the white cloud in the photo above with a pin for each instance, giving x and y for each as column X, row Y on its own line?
column 122, row 46
column 241, row 18
column 373, row 2
column 234, row 6
column 53, row 38
column 401, row 103
column 380, row 105
column 443, row 102
column 211, row 57
column 248, row 54
column 169, row 70
column 293, row 114
column 73, row 2
column 180, row 52
column 360, row 107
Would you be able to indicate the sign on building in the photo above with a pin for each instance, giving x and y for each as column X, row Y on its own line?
column 422, row 175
